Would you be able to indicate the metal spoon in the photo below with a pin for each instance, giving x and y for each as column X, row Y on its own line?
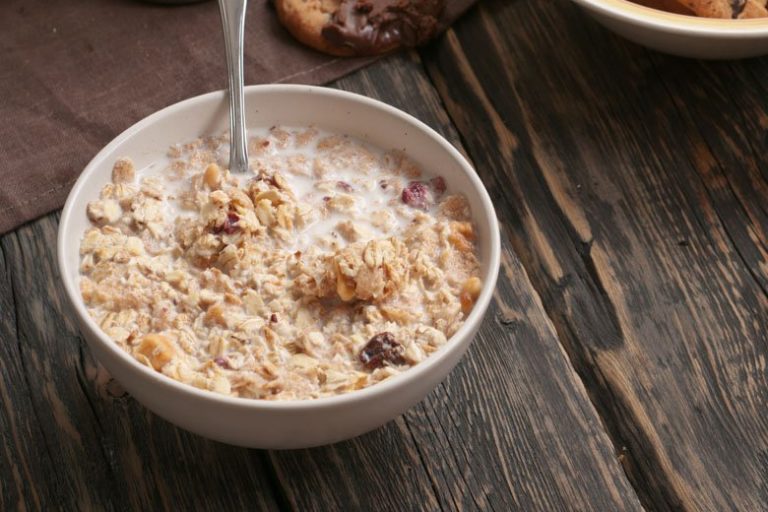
column 233, row 22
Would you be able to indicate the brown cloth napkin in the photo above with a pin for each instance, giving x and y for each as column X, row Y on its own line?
column 75, row 74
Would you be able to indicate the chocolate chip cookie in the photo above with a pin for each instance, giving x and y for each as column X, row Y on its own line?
column 360, row 27
column 735, row 9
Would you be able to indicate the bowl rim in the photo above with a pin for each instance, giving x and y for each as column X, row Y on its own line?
column 379, row 389
column 679, row 23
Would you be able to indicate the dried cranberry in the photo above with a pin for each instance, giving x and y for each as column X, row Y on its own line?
column 229, row 226
column 416, row 195
column 222, row 362
column 381, row 349
column 273, row 318
column 343, row 185
column 438, row 184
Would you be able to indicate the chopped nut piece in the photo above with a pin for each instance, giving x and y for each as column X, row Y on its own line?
column 345, row 290
column 462, row 236
column 157, row 349
column 473, row 286
column 212, row 176
column 470, row 291
column 215, row 316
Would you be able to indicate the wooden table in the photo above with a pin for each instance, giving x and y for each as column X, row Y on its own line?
column 622, row 364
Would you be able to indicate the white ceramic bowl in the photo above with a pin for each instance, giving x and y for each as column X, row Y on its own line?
column 678, row 34
column 286, row 424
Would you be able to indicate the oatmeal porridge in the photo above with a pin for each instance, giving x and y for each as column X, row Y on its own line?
column 330, row 267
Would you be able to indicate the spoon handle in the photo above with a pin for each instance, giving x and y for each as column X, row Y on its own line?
column 233, row 21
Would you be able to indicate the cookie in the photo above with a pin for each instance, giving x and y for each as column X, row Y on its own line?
column 360, row 27
column 734, row 9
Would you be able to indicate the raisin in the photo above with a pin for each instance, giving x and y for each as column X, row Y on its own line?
column 273, row 318
column 381, row 349
column 416, row 195
column 343, row 185
column 229, row 226
column 438, row 185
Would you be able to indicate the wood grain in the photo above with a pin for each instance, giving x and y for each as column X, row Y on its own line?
column 633, row 187
column 511, row 429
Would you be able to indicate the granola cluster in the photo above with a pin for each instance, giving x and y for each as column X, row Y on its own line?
column 331, row 267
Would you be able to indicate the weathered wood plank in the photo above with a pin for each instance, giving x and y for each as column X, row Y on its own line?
column 635, row 194
column 17, row 485
column 71, row 438
column 510, row 429
column 728, row 147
